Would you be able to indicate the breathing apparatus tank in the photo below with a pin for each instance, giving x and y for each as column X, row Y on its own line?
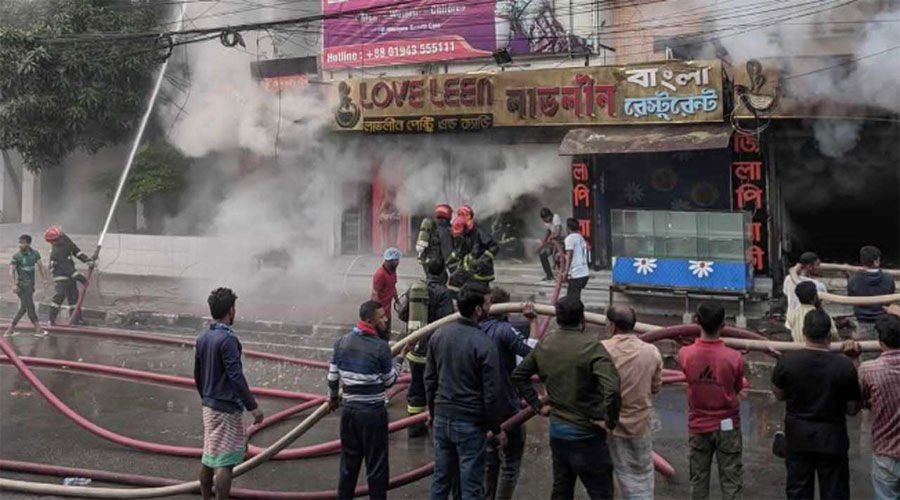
column 422, row 241
column 418, row 306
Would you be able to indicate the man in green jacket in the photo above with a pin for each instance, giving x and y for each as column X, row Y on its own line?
column 584, row 401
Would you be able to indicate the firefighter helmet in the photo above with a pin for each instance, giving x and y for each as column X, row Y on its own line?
column 52, row 234
column 460, row 225
column 443, row 211
column 466, row 212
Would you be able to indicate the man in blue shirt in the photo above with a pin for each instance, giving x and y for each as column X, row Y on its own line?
column 363, row 366
column 220, row 380
column 502, row 469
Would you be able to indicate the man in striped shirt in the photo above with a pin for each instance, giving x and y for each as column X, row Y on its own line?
column 363, row 367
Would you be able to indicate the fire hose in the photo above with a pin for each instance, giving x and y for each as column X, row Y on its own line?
column 749, row 342
column 850, row 301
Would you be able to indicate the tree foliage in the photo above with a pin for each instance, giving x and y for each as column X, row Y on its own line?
column 159, row 169
column 58, row 95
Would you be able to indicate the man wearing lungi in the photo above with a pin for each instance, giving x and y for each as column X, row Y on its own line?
column 223, row 388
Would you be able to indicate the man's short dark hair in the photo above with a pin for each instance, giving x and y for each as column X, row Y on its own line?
column 499, row 295
column 817, row 325
column 888, row 328
column 470, row 297
column 573, row 224
column 569, row 312
column 711, row 316
column 435, row 267
column 623, row 317
column 808, row 258
column 368, row 309
column 807, row 293
column 546, row 213
column 868, row 255
column 26, row 238
column 220, row 301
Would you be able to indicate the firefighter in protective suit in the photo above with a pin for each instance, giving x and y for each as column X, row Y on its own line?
column 62, row 269
column 435, row 241
column 436, row 304
column 474, row 251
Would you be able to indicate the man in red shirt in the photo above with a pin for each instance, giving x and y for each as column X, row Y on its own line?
column 715, row 376
column 384, row 286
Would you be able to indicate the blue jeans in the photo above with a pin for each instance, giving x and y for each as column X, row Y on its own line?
column 459, row 447
column 886, row 477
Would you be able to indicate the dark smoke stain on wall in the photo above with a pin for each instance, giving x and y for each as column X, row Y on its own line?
column 835, row 205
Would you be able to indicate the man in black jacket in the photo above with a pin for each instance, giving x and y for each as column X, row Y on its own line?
column 872, row 281
column 461, row 377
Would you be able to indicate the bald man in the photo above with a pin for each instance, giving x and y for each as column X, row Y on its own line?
column 640, row 372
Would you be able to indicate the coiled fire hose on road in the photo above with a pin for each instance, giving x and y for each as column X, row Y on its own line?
column 749, row 341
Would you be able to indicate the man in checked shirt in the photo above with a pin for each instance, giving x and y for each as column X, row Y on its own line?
column 879, row 380
column 363, row 367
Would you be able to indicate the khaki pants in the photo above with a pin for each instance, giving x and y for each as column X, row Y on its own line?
column 727, row 447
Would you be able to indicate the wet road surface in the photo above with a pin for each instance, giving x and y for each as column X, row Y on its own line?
column 31, row 430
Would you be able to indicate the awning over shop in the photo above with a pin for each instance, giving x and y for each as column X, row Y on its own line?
column 649, row 139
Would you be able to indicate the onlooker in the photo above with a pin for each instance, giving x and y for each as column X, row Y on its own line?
column 439, row 305
column 384, row 286
column 807, row 266
column 640, row 371
column 584, row 401
column 715, row 377
column 820, row 388
column 225, row 394
column 21, row 273
column 870, row 282
column 879, row 382
column 577, row 260
column 461, row 377
column 809, row 301
column 504, row 467
column 362, row 365
column 553, row 234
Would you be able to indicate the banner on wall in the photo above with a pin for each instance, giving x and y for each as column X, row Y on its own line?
column 366, row 33
column 666, row 92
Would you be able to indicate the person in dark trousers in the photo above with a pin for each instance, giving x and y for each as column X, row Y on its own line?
column 819, row 388
column 62, row 268
column 715, row 377
column 21, row 273
column 363, row 367
column 225, row 395
column 576, row 260
column 502, row 469
column 439, row 305
column 872, row 281
column 474, row 251
column 461, row 380
column 384, row 286
column 584, row 402
column 552, row 239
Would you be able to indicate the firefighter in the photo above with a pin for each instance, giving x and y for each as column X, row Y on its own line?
column 435, row 241
column 474, row 250
column 62, row 268
column 438, row 305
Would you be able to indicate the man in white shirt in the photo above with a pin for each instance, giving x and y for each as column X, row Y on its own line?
column 554, row 232
column 577, row 260
column 807, row 266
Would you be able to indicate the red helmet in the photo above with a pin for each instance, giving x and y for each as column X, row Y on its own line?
column 52, row 234
column 465, row 212
column 458, row 226
column 443, row 211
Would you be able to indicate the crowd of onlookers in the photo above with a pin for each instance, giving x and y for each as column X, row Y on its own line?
column 597, row 394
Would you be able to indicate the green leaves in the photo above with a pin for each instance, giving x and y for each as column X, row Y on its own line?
column 159, row 169
column 56, row 97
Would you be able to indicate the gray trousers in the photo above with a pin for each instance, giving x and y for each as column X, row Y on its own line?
column 26, row 304
column 632, row 460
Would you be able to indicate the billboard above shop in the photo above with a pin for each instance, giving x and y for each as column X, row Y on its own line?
column 665, row 92
column 367, row 33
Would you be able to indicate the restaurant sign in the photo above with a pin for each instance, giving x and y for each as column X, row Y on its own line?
column 665, row 92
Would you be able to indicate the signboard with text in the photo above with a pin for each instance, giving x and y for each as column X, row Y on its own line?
column 668, row 92
column 367, row 33
column 749, row 193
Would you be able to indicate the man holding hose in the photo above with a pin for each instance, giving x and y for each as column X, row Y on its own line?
column 220, row 381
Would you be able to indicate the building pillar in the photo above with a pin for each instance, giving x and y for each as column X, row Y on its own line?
column 31, row 197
